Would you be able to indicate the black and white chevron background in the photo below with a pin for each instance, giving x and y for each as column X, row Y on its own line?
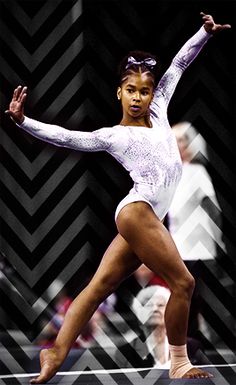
column 57, row 206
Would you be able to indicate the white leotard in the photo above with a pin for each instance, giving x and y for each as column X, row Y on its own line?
column 150, row 155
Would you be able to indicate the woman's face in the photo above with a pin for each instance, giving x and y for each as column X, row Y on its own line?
column 152, row 311
column 183, row 144
column 136, row 93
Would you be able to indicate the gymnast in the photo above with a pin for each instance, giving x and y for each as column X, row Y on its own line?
column 145, row 145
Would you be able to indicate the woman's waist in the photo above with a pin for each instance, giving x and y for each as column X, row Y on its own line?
column 153, row 191
column 158, row 178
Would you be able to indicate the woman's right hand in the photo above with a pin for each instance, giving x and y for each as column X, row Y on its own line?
column 16, row 106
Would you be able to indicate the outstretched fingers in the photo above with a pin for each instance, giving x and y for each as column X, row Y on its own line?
column 206, row 17
column 211, row 26
column 20, row 94
column 16, row 107
column 224, row 26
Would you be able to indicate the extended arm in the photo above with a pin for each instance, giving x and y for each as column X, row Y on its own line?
column 182, row 60
column 98, row 140
column 78, row 140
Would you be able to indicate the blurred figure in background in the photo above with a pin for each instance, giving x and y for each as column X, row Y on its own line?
column 195, row 216
column 150, row 348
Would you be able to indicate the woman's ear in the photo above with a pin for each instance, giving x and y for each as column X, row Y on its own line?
column 118, row 93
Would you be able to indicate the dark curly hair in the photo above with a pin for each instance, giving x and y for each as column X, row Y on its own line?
column 125, row 68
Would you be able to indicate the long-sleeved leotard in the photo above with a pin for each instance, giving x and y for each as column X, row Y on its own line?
column 151, row 154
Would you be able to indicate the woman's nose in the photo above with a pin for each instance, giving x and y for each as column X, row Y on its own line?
column 136, row 96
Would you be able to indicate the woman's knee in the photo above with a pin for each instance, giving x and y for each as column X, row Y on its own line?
column 185, row 286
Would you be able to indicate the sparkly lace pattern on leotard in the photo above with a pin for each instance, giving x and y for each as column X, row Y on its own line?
column 149, row 154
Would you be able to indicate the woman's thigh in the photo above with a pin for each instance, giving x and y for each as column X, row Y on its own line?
column 118, row 262
column 152, row 242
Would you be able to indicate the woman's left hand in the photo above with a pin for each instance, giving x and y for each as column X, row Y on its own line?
column 210, row 25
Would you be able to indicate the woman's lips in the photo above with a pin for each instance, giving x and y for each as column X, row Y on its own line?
column 135, row 108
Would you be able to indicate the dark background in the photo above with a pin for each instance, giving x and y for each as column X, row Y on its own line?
column 57, row 206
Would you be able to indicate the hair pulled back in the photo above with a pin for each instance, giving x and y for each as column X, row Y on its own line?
column 136, row 61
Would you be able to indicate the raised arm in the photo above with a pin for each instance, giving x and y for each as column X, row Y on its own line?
column 181, row 61
column 98, row 140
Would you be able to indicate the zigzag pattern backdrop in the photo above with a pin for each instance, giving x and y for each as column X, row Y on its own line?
column 57, row 206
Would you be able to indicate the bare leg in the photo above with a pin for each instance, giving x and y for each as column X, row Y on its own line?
column 154, row 246
column 117, row 264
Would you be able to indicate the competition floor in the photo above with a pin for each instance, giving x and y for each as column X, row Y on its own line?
column 223, row 375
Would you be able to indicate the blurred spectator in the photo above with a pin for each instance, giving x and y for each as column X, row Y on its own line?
column 150, row 348
column 194, row 215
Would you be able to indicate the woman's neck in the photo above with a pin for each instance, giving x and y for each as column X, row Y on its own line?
column 143, row 122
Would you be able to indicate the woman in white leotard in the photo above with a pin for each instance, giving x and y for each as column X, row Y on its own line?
column 145, row 145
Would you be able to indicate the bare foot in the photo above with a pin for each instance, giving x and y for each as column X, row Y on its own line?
column 197, row 373
column 49, row 363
